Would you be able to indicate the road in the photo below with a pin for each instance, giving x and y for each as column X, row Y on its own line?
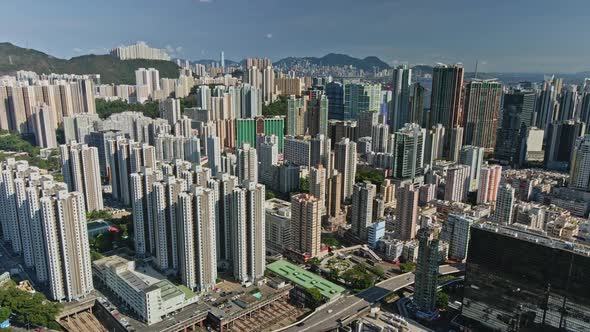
column 347, row 307
column 9, row 261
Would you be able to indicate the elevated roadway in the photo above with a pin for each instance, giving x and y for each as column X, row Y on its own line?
column 346, row 309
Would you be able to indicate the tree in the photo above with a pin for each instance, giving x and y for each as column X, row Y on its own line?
column 304, row 185
column 314, row 297
column 378, row 271
column 95, row 255
column 102, row 214
column 332, row 242
column 334, row 275
column 442, row 300
column 188, row 101
column 374, row 176
column 269, row 195
column 407, row 267
column 105, row 108
column 314, row 262
column 4, row 313
column 278, row 107
column 358, row 277
column 60, row 134
column 27, row 308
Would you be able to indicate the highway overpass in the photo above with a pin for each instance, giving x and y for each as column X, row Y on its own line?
column 345, row 310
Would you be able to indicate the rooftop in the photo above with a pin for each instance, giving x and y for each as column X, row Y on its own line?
column 141, row 278
column 541, row 239
column 305, row 279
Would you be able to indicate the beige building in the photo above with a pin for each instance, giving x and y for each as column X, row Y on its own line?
column 406, row 212
column 306, row 227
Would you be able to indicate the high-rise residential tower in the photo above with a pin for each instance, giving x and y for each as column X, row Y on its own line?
column 472, row 156
column 426, row 281
column 345, row 161
column 481, row 113
column 399, row 112
column 306, row 227
column 517, row 115
column 363, row 198
column 406, row 212
column 81, row 171
column 446, row 98
column 247, row 232
column 457, row 183
column 504, row 204
column 409, row 152
column 247, row 164
column 489, row 183
column 580, row 164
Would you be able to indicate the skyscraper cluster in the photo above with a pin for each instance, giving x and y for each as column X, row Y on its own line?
column 191, row 221
column 46, row 224
column 38, row 105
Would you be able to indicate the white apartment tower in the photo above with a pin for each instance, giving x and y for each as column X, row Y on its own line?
column 66, row 241
column 247, row 164
column 81, row 171
column 317, row 186
column 504, row 205
column 197, row 240
column 345, row 163
column 248, row 233
column 457, row 183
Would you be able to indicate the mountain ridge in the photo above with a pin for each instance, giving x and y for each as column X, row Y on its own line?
column 336, row 59
column 110, row 69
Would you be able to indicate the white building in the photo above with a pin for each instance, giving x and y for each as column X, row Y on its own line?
column 247, row 164
column 149, row 295
column 345, row 162
column 247, row 232
column 81, row 171
column 140, row 50
column 459, row 239
column 278, row 225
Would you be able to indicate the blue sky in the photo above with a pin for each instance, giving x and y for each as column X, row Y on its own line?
column 505, row 35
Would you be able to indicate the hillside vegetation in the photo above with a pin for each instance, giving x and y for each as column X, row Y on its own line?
column 111, row 69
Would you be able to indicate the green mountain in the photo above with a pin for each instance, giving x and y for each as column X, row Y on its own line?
column 111, row 69
column 334, row 59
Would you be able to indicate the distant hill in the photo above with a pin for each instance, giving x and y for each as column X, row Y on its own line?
column 334, row 59
column 111, row 69
column 422, row 68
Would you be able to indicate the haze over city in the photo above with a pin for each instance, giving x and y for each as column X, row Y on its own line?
column 506, row 36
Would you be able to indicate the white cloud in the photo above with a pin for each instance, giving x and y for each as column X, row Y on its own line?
column 268, row 36
column 78, row 50
column 179, row 49
column 205, row 1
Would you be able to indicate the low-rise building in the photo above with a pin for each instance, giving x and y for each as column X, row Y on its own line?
column 151, row 296
column 278, row 225
column 304, row 280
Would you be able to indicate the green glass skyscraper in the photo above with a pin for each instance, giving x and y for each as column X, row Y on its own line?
column 361, row 97
column 247, row 129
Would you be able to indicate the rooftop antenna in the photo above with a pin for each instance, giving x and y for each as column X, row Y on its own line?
column 476, row 62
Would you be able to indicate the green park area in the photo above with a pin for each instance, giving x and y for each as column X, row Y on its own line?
column 27, row 309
